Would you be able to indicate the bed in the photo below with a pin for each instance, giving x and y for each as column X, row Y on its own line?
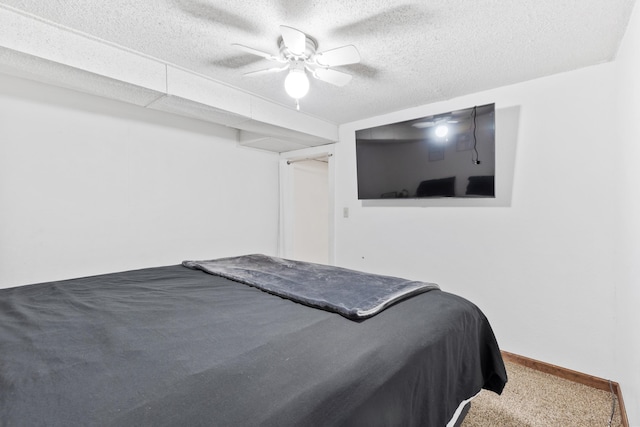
column 172, row 345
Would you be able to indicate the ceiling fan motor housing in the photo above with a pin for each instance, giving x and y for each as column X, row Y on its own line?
column 311, row 46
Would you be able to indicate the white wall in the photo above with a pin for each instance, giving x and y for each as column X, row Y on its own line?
column 89, row 186
column 540, row 264
column 627, row 256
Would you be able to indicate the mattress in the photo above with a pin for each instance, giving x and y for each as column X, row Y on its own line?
column 173, row 346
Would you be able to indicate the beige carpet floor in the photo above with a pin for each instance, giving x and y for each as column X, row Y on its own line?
column 535, row 399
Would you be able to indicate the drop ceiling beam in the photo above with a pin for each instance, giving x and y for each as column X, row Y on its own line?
column 34, row 48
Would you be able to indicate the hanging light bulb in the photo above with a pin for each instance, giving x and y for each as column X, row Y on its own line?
column 297, row 83
column 442, row 131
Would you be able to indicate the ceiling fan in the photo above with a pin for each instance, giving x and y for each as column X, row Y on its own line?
column 433, row 122
column 440, row 123
column 297, row 54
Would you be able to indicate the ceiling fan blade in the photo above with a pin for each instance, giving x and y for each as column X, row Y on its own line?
column 265, row 71
column 339, row 56
column 334, row 77
column 256, row 52
column 294, row 40
column 422, row 125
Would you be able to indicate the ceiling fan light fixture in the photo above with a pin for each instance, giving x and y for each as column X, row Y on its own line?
column 442, row 130
column 298, row 53
column 296, row 84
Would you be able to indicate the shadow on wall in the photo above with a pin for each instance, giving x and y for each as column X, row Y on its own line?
column 506, row 130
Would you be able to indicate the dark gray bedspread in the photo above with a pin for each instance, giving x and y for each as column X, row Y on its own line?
column 352, row 294
column 171, row 346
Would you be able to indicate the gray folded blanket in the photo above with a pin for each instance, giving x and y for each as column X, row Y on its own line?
column 352, row 294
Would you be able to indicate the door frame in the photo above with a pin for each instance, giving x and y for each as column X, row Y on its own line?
column 286, row 208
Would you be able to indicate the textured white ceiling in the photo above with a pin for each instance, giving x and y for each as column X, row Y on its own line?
column 413, row 52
